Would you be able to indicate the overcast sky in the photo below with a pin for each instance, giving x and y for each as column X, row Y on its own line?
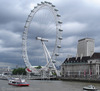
column 81, row 18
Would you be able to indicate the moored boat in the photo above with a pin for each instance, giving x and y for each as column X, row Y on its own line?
column 18, row 82
column 90, row 88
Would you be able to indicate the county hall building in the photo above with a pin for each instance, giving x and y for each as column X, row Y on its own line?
column 85, row 64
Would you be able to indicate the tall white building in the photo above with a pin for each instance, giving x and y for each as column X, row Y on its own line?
column 85, row 47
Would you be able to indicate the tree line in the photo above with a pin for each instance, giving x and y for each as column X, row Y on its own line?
column 19, row 71
column 22, row 71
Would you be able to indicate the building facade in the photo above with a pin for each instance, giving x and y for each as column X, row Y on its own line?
column 85, row 65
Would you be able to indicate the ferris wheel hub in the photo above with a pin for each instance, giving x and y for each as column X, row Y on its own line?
column 42, row 39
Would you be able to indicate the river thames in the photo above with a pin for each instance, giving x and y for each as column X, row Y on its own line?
column 47, row 85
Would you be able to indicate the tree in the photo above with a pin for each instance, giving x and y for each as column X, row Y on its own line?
column 38, row 67
column 19, row 71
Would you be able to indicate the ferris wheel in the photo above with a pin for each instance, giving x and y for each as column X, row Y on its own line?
column 41, row 38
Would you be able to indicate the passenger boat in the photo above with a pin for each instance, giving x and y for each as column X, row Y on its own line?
column 18, row 82
column 90, row 88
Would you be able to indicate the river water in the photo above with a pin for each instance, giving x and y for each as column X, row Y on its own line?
column 47, row 85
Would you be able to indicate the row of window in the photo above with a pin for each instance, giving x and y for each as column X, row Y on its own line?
column 82, row 61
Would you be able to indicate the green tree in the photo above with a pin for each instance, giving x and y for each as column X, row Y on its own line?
column 19, row 71
column 38, row 67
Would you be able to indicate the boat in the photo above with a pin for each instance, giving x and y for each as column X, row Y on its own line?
column 5, row 75
column 18, row 82
column 90, row 88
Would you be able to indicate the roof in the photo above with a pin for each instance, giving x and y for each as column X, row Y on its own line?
column 95, row 56
column 83, row 59
column 85, row 39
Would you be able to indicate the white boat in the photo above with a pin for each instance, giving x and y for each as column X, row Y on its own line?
column 5, row 75
column 90, row 88
column 18, row 82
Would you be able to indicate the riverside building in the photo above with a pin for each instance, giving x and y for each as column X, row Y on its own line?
column 85, row 64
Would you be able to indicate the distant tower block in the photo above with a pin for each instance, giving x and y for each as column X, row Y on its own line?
column 85, row 47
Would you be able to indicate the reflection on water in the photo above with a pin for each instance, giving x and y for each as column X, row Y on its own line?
column 36, row 85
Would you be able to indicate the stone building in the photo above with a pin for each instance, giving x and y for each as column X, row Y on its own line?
column 86, row 65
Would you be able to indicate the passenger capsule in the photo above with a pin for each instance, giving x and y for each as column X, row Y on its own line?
column 35, row 7
column 58, row 15
column 29, row 16
column 56, row 9
column 23, row 38
column 60, row 38
column 42, row 2
column 49, row 3
column 27, row 21
column 25, row 26
column 53, row 5
column 59, row 22
column 56, row 54
column 24, row 32
column 60, row 30
column 32, row 10
column 38, row 4
column 59, row 46
column 54, row 61
column 45, row 1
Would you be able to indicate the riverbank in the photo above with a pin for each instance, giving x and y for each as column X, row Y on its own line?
column 80, row 79
column 94, row 80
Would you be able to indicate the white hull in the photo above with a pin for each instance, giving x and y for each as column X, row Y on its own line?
column 90, row 88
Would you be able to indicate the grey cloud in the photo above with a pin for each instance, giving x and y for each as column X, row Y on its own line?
column 13, row 15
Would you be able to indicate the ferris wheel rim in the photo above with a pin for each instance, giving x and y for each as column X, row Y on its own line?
column 26, row 29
